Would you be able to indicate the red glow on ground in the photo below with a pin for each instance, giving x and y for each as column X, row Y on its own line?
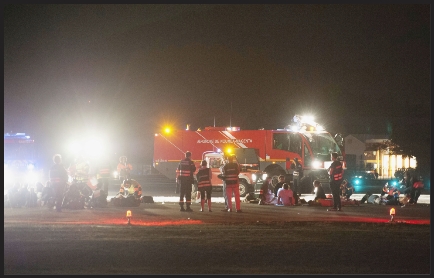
column 114, row 222
column 382, row 220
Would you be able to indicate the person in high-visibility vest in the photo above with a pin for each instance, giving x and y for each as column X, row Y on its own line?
column 129, row 194
column 230, row 172
column 131, row 187
column 204, row 185
column 336, row 173
column 58, row 179
column 186, row 169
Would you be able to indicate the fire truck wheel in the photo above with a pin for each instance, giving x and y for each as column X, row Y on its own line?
column 244, row 187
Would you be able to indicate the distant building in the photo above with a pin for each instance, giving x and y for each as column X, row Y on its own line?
column 370, row 152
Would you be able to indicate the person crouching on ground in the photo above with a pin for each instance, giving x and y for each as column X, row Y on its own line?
column 99, row 197
column 129, row 194
column 266, row 195
column 347, row 189
column 319, row 193
column 285, row 196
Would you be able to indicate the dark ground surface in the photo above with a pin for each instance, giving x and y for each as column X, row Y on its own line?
column 260, row 240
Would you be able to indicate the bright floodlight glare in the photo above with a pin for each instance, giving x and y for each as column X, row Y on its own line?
column 74, row 148
column 94, row 148
column 316, row 164
column 319, row 127
column 308, row 118
column 9, row 177
column 31, row 177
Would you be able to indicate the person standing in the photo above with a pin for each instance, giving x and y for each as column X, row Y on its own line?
column 296, row 165
column 416, row 190
column 58, row 180
column 220, row 176
column 336, row 172
column 204, row 185
column 231, row 170
column 186, row 169
column 124, row 168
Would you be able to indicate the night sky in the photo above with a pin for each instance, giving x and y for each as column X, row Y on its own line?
column 123, row 71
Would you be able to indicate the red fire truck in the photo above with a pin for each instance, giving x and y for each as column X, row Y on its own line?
column 275, row 150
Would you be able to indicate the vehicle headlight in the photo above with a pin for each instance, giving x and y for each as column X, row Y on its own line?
column 264, row 176
column 254, row 177
column 316, row 164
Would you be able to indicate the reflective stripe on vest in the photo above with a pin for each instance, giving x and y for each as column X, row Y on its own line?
column 231, row 173
column 203, row 177
column 185, row 168
column 337, row 173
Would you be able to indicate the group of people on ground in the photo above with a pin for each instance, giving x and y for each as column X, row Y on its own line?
column 22, row 195
column 391, row 195
column 280, row 194
column 71, row 187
